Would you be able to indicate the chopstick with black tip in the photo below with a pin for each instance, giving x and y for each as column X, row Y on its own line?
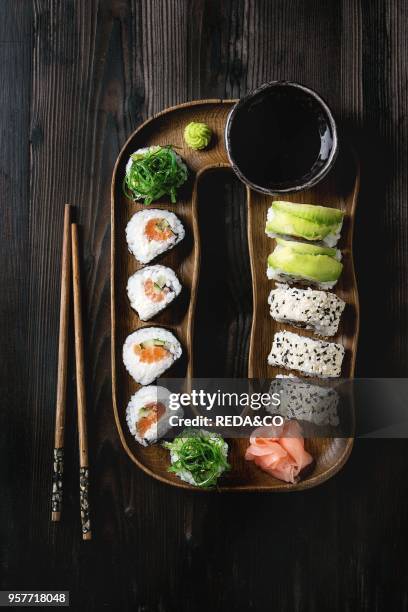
column 60, row 408
column 80, row 386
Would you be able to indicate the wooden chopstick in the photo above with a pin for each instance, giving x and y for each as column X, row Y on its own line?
column 58, row 464
column 80, row 385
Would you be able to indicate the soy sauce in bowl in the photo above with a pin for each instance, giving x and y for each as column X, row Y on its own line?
column 281, row 137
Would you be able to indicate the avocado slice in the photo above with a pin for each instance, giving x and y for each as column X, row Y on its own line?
column 152, row 342
column 163, row 225
column 323, row 215
column 319, row 267
column 285, row 223
column 308, row 249
column 147, row 344
column 160, row 282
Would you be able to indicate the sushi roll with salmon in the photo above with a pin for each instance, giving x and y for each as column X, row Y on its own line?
column 319, row 311
column 307, row 264
column 306, row 221
column 151, row 232
column 147, row 414
column 149, row 352
column 310, row 357
column 152, row 289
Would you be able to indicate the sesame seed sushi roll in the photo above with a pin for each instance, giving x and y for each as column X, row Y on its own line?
column 152, row 289
column 319, row 311
column 306, row 221
column 147, row 414
column 307, row 264
column 304, row 401
column 310, row 357
column 149, row 352
column 151, row 232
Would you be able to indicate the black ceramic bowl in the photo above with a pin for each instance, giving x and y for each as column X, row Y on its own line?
column 281, row 137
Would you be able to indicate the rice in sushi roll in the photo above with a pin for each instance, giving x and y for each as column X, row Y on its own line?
column 147, row 414
column 311, row 357
column 304, row 401
column 151, row 232
column 307, row 308
column 307, row 264
column 152, row 289
column 149, row 352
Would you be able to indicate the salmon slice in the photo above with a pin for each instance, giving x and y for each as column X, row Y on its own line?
column 158, row 229
column 153, row 292
column 155, row 411
column 279, row 451
column 150, row 354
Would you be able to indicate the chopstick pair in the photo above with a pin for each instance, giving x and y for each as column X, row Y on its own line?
column 70, row 263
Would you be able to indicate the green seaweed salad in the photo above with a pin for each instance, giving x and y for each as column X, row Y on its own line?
column 154, row 173
column 198, row 457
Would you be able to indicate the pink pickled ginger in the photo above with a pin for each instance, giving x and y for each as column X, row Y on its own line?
column 279, row 451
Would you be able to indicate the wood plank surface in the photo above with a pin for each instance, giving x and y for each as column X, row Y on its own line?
column 76, row 78
column 15, row 429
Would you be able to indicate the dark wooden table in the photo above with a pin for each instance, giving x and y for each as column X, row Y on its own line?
column 76, row 77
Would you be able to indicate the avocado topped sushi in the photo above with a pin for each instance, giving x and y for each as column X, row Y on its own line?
column 307, row 221
column 305, row 263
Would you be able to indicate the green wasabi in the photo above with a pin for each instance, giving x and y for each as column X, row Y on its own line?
column 197, row 135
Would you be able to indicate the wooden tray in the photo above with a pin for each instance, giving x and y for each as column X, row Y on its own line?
column 339, row 190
